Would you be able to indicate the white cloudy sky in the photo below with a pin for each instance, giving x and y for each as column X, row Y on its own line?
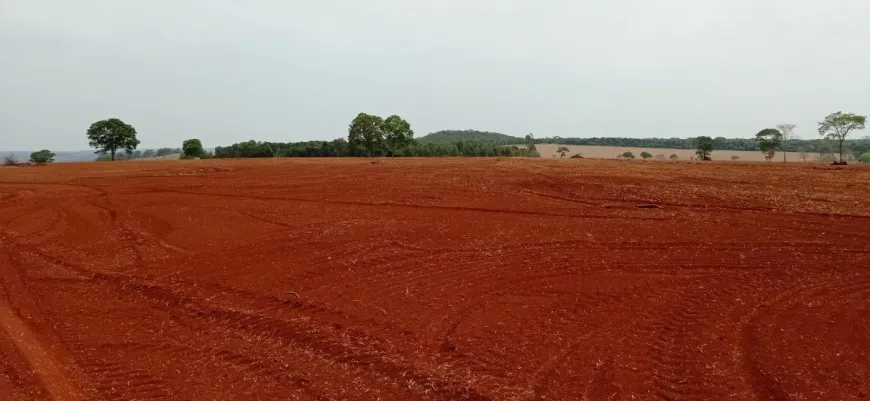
column 231, row 70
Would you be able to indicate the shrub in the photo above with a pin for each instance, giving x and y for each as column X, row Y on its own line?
column 628, row 155
column 661, row 157
column 674, row 156
column 42, row 157
column 10, row 160
column 735, row 158
column 865, row 158
column 646, row 155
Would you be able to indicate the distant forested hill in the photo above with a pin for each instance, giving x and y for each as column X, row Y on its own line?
column 453, row 136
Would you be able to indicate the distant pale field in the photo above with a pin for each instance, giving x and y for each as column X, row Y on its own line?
column 610, row 152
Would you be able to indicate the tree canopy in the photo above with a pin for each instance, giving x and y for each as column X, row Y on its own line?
column 836, row 126
column 703, row 147
column 787, row 131
column 397, row 133
column 42, row 157
column 192, row 148
column 768, row 140
column 366, row 131
column 107, row 136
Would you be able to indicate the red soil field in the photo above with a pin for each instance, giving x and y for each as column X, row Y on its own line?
column 434, row 279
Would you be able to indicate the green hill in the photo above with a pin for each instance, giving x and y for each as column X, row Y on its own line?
column 453, row 136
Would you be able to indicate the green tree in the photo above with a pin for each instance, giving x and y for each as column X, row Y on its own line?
column 192, row 148
column 836, row 126
column 787, row 131
column 627, row 155
column 768, row 140
column 397, row 133
column 735, row 158
column 562, row 150
column 530, row 144
column 703, row 147
column 865, row 158
column 42, row 157
column 366, row 130
column 646, row 155
column 674, row 156
column 107, row 136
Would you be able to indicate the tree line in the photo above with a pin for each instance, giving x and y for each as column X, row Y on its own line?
column 370, row 135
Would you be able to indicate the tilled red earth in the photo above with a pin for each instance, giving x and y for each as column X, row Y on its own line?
column 434, row 279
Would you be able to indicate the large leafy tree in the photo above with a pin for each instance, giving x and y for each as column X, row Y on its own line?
column 192, row 148
column 703, row 147
column 768, row 140
column 42, row 157
column 397, row 133
column 836, row 126
column 366, row 130
column 108, row 136
column 787, row 131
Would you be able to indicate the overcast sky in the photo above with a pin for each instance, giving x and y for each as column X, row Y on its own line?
column 287, row 70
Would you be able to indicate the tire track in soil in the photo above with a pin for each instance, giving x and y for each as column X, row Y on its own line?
column 763, row 381
column 379, row 357
column 38, row 354
column 680, row 370
column 416, row 206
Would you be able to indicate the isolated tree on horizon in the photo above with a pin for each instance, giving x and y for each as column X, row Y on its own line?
column 397, row 133
column 768, row 140
column 366, row 130
column 192, row 148
column 836, row 126
column 674, row 156
column 530, row 142
column 44, row 156
column 703, row 147
column 107, row 136
column 627, row 155
column 646, row 155
column 787, row 131
column 562, row 150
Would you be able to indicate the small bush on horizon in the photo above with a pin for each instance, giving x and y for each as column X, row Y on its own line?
column 661, row 157
column 628, row 155
column 646, row 155
column 865, row 158
column 10, row 160
column 42, row 157
column 735, row 158
column 674, row 156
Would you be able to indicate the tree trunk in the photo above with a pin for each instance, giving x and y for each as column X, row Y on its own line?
column 841, row 148
column 113, row 154
column 783, row 154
